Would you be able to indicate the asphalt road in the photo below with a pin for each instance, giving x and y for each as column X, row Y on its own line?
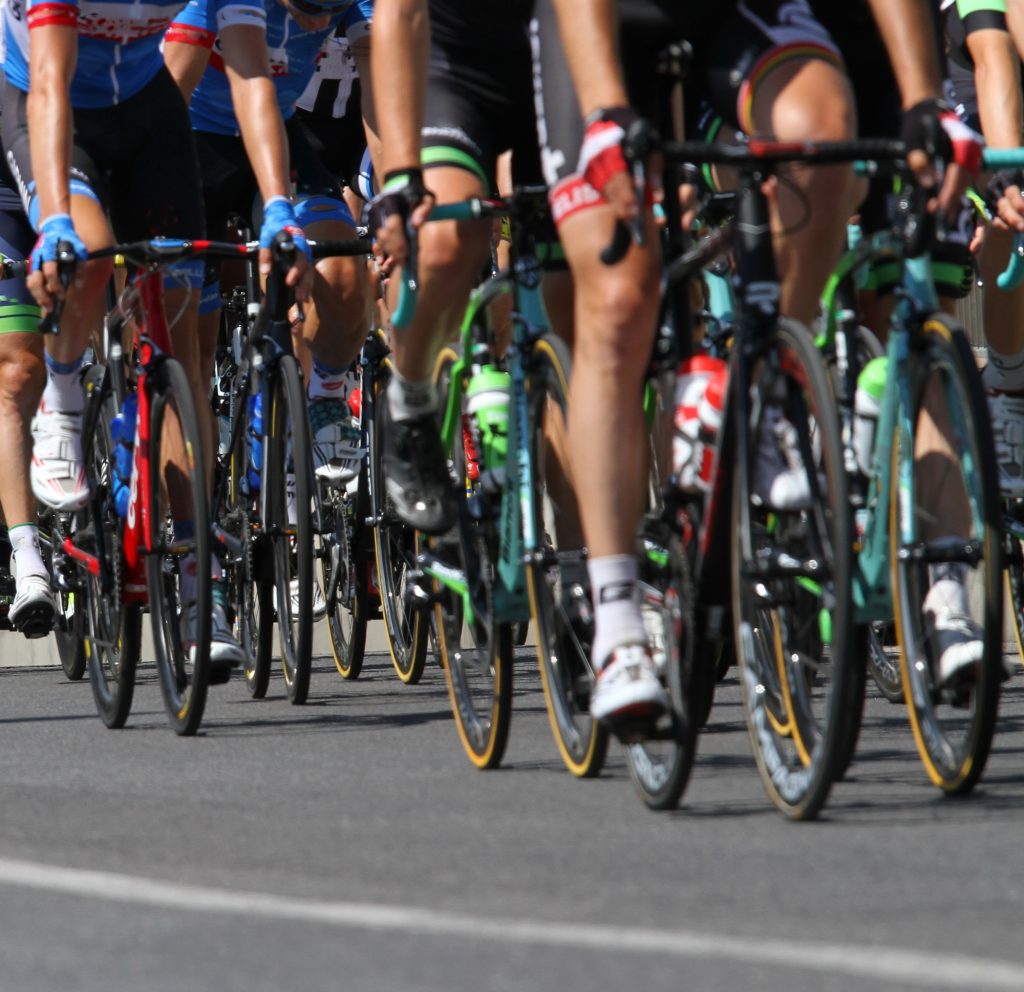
column 348, row 844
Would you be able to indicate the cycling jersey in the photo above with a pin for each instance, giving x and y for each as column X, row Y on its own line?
column 118, row 41
column 331, row 86
column 293, row 54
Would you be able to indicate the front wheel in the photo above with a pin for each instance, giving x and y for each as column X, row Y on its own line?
column 178, row 558
column 791, row 578
column 946, row 558
column 556, row 575
column 288, row 478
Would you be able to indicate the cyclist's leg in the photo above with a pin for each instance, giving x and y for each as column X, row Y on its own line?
column 615, row 311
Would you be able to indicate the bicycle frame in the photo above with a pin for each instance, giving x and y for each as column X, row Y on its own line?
column 518, row 537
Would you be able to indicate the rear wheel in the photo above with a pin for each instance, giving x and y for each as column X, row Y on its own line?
column 178, row 564
column 791, row 572
column 946, row 558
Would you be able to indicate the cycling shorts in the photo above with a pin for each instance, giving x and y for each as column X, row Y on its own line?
column 732, row 56
column 19, row 312
column 338, row 142
column 137, row 158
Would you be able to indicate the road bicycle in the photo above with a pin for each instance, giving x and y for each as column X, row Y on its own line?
column 273, row 522
column 121, row 567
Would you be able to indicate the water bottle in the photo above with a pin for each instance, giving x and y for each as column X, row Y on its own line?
column 255, row 442
column 122, row 432
column 487, row 403
column 700, row 394
column 867, row 402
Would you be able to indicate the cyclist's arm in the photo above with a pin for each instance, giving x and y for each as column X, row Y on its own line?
column 361, row 55
column 398, row 74
column 186, row 60
column 254, row 97
column 907, row 28
column 588, row 29
column 53, row 53
column 997, row 80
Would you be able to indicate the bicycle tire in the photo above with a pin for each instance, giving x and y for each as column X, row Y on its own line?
column 251, row 594
column 173, row 426
column 113, row 630
column 883, row 667
column 563, row 646
column 1015, row 588
column 660, row 766
column 952, row 728
column 347, row 606
column 395, row 548
column 289, row 456
column 476, row 654
column 799, row 677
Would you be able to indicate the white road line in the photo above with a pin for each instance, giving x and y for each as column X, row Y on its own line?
column 863, row 961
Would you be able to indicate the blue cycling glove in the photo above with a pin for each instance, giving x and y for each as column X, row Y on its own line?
column 278, row 216
column 55, row 229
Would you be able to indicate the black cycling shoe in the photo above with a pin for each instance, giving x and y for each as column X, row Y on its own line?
column 416, row 475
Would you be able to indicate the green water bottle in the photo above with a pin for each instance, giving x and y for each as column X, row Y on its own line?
column 487, row 402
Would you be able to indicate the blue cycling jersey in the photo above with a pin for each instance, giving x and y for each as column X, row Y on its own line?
column 293, row 57
column 118, row 41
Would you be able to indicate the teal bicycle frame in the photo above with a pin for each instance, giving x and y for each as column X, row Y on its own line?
column 518, row 536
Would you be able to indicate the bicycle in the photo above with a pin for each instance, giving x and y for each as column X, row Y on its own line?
column 126, row 565
column 271, row 520
column 902, row 544
column 506, row 561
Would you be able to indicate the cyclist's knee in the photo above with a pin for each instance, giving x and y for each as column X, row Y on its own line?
column 22, row 376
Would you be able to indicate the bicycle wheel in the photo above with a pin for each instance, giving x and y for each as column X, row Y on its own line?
column 884, row 662
column 113, row 631
column 792, row 595
column 556, row 578
column 660, row 765
column 344, row 582
column 288, row 476
column 238, row 516
column 179, row 538
column 395, row 548
column 944, row 537
column 476, row 651
column 1014, row 552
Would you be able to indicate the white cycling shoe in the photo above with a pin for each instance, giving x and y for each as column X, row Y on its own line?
column 628, row 687
column 57, row 468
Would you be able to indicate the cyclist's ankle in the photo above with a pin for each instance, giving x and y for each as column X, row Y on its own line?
column 617, row 618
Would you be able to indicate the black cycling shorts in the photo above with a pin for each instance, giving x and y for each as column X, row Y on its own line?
column 733, row 50
column 338, row 142
column 137, row 158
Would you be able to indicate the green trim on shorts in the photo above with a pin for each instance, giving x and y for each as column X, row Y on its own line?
column 19, row 318
column 550, row 251
column 438, row 155
column 967, row 7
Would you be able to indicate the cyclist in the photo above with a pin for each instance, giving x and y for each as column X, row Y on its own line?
column 474, row 102
column 105, row 128
column 335, row 325
column 22, row 376
column 984, row 82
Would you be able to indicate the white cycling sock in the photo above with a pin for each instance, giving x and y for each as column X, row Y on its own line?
column 408, row 399
column 617, row 618
column 330, row 383
column 25, row 544
column 1004, row 372
column 63, row 390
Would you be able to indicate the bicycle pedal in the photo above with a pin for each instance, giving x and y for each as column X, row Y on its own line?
column 35, row 622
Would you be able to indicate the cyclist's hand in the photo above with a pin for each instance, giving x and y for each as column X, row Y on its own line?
column 1005, row 199
column 934, row 134
column 603, row 162
column 403, row 199
column 278, row 216
column 44, row 280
